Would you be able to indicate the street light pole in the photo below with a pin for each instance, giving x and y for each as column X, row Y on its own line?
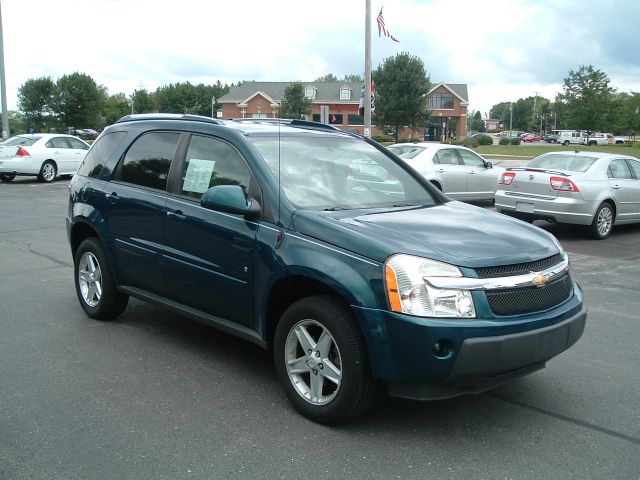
column 3, row 90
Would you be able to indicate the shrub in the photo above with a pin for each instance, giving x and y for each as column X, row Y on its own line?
column 483, row 139
column 504, row 141
column 469, row 142
column 382, row 138
column 515, row 141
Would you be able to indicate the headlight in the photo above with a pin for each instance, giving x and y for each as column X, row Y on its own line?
column 409, row 291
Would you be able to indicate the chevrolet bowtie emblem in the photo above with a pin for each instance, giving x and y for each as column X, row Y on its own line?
column 540, row 280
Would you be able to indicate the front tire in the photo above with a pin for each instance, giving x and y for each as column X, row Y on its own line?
column 321, row 361
column 7, row 177
column 602, row 223
column 95, row 287
column 48, row 172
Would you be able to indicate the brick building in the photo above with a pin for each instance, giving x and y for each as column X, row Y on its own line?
column 262, row 100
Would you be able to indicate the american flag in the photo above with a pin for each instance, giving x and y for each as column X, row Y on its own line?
column 382, row 29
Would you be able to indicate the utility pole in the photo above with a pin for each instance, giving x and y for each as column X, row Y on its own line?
column 510, row 120
column 367, row 70
column 3, row 89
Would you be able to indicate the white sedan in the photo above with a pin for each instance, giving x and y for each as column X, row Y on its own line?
column 46, row 155
column 457, row 171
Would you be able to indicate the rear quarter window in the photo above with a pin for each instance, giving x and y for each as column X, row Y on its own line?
column 99, row 154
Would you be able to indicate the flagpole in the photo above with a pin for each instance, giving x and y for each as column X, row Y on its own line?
column 367, row 70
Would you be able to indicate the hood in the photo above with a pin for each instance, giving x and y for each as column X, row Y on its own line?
column 453, row 232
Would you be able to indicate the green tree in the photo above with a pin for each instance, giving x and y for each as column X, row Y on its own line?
column 354, row 77
column 401, row 88
column 114, row 108
column 34, row 101
column 77, row 100
column 294, row 104
column 586, row 98
column 329, row 77
column 143, row 101
column 188, row 98
column 476, row 124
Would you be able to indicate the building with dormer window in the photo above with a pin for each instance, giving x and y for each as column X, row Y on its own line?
column 447, row 103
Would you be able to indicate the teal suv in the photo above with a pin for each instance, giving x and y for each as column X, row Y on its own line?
column 287, row 234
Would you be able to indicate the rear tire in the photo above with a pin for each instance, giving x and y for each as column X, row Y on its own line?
column 48, row 172
column 95, row 286
column 7, row 177
column 602, row 223
column 565, row 143
column 321, row 361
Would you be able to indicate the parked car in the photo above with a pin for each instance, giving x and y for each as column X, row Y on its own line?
column 598, row 190
column 530, row 137
column 572, row 137
column 455, row 170
column 43, row 154
column 254, row 228
column 603, row 139
column 552, row 138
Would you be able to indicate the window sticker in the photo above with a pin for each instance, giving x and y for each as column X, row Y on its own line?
column 198, row 175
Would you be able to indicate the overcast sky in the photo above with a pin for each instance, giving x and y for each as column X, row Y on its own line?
column 503, row 50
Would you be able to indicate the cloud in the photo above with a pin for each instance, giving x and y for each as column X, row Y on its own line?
column 503, row 50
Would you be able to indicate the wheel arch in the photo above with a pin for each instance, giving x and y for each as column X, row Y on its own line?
column 80, row 232
column 289, row 289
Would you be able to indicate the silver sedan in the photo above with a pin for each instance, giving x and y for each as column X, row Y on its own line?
column 598, row 190
column 457, row 171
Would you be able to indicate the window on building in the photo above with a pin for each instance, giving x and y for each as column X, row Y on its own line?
column 355, row 119
column 440, row 101
column 345, row 93
column 310, row 92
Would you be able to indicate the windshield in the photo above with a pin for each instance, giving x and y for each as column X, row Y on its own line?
column 331, row 173
column 569, row 161
column 21, row 141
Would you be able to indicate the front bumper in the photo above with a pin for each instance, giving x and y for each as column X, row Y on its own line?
column 475, row 355
column 485, row 363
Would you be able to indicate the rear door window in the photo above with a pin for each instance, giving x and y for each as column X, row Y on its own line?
column 99, row 154
column 619, row 169
column 147, row 161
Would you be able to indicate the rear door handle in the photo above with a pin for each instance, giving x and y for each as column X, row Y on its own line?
column 616, row 187
column 177, row 216
column 441, row 170
column 112, row 197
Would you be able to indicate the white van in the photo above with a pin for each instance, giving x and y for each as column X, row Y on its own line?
column 567, row 137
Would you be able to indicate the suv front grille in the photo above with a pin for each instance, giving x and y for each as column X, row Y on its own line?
column 519, row 268
column 530, row 299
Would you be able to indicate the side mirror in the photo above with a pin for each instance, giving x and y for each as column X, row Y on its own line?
column 230, row 199
column 488, row 165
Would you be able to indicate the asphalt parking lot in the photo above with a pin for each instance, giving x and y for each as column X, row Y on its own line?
column 157, row 396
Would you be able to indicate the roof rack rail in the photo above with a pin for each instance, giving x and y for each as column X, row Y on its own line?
column 290, row 122
column 168, row 116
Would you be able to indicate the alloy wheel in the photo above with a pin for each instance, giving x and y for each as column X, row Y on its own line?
column 313, row 362
column 604, row 221
column 90, row 279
